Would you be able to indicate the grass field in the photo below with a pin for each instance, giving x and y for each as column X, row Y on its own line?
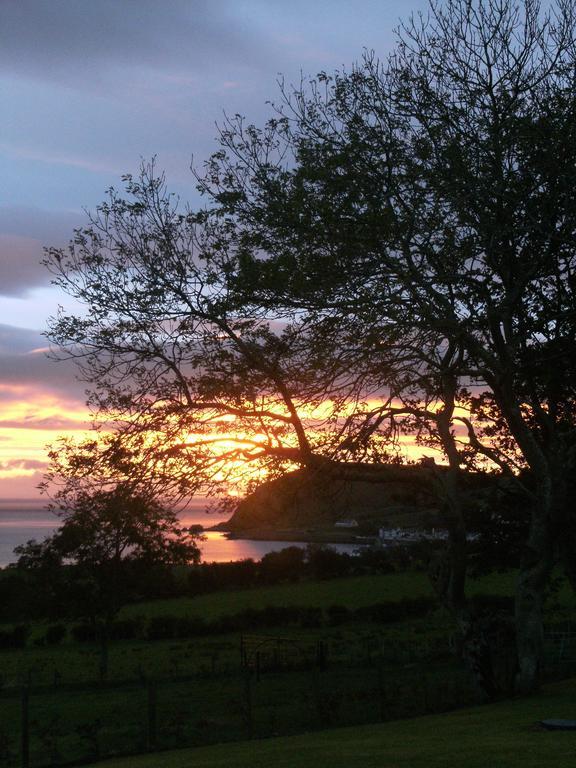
column 73, row 662
column 504, row 735
column 375, row 672
column 351, row 592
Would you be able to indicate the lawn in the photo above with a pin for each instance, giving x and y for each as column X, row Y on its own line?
column 503, row 735
column 374, row 672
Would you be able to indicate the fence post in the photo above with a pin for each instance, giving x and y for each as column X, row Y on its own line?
column 152, row 719
column 381, row 693
column 25, row 727
column 248, row 702
column 426, row 698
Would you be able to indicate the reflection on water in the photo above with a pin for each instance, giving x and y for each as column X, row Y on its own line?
column 20, row 522
column 219, row 549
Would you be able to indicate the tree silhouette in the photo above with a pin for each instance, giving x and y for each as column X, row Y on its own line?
column 426, row 203
column 395, row 246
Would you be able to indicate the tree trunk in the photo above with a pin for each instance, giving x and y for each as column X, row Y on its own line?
column 448, row 577
column 535, row 567
column 566, row 529
column 104, row 649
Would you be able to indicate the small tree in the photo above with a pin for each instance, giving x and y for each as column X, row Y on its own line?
column 106, row 536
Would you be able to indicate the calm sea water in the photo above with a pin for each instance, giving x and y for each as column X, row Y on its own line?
column 21, row 520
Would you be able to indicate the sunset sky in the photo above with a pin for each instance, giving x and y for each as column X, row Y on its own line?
column 88, row 89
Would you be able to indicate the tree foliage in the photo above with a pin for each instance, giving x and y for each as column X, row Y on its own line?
column 394, row 249
column 428, row 201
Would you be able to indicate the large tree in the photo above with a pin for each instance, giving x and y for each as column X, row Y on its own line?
column 395, row 246
column 429, row 201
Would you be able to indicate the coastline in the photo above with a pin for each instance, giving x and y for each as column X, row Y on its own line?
column 306, row 535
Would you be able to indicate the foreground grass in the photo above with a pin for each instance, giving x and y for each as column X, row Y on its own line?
column 503, row 735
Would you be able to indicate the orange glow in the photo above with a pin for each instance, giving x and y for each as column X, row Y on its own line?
column 31, row 420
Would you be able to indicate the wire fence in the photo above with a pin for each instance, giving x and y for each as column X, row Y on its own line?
column 276, row 690
column 278, row 687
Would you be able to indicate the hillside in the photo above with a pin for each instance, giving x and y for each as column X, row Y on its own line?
column 387, row 495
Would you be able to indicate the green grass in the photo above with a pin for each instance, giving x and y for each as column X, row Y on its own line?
column 352, row 592
column 79, row 662
column 375, row 672
column 503, row 735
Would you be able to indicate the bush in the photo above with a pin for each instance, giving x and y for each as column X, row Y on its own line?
column 338, row 614
column 310, row 618
column 374, row 560
column 85, row 633
column 127, row 629
column 55, row 634
column 191, row 626
column 285, row 565
column 15, row 638
column 383, row 613
column 483, row 603
column 327, row 563
column 162, row 628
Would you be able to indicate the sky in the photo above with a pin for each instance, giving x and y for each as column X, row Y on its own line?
column 89, row 90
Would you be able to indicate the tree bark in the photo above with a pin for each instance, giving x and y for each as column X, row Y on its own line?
column 535, row 568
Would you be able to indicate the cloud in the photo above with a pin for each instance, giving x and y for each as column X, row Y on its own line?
column 24, row 368
column 83, row 43
column 53, row 423
column 26, row 464
column 20, row 265
column 24, row 232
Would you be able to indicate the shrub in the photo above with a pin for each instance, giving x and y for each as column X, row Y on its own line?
column 327, row 563
column 310, row 617
column 162, row 628
column 55, row 634
column 126, row 629
column 191, row 626
column 85, row 633
column 285, row 565
column 338, row 614
column 390, row 611
column 15, row 638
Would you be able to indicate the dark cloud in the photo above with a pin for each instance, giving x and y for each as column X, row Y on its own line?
column 72, row 40
column 24, row 232
column 24, row 365
column 52, row 227
column 19, row 341
column 20, row 267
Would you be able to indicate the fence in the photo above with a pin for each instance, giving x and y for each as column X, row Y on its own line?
column 281, row 694
column 278, row 686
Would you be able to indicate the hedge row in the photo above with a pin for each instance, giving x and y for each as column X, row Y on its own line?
column 14, row 638
column 177, row 627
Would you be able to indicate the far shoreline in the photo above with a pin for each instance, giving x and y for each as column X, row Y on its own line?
column 295, row 535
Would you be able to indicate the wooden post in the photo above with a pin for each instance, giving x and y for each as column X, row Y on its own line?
column 25, row 727
column 248, row 702
column 152, row 719
column 381, row 692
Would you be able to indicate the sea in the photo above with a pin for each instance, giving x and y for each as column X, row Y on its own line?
column 25, row 519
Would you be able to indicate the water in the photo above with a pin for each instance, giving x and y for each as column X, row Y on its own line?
column 22, row 520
